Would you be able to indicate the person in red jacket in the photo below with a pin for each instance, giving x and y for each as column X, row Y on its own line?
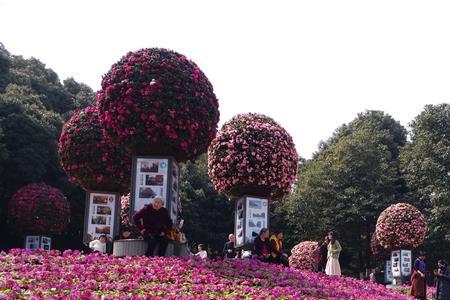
column 154, row 222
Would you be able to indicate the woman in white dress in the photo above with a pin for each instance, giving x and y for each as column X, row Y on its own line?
column 334, row 249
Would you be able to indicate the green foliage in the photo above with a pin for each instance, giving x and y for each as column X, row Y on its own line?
column 425, row 162
column 352, row 178
column 208, row 215
column 33, row 106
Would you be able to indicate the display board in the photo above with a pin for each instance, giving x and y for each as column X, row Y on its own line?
column 239, row 223
column 406, row 262
column 102, row 215
column 395, row 261
column 256, row 217
column 251, row 215
column 155, row 176
column 33, row 242
column 388, row 272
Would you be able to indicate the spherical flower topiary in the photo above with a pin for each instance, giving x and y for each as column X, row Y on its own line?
column 302, row 255
column 377, row 249
column 89, row 157
column 401, row 226
column 157, row 102
column 38, row 209
column 253, row 155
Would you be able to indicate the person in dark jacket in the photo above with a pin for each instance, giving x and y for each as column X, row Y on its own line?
column 321, row 255
column 229, row 250
column 442, row 281
column 418, row 278
column 261, row 245
column 154, row 222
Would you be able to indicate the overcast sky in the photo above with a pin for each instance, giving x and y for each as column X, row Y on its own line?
column 311, row 65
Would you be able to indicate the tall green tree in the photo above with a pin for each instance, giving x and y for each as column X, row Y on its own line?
column 425, row 162
column 350, row 180
column 208, row 215
column 33, row 107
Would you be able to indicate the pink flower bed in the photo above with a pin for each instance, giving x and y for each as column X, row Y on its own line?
column 302, row 256
column 71, row 275
column 157, row 102
column 253, row 155
column 89, row 157
column 401, row 226
column 39, row 209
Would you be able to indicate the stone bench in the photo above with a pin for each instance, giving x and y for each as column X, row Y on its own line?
column 138, row 247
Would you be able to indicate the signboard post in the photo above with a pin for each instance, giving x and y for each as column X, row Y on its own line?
column 102, row 215
column 401, row 261
column 388, row 272
column 155, row 176
column 33, row 242
column 251, row 215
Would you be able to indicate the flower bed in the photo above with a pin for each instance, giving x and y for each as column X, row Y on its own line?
column 90, row 158
column 302, row 256
column 253, row 155
column 401, row 226
column 39, row 209
column 36, row 275
column 157, row 102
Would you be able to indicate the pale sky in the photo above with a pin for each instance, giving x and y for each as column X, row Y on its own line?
column 311, row 65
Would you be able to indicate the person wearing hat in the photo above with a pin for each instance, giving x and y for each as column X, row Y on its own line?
column 154, row 223
column 418, row 278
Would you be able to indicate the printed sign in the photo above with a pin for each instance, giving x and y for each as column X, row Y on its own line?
column 239, row 223
column 396, row 263
column 406, row 262
column 388, row 272
column 174, row 201
column 101, row 216
column 256, row 217
column 151, row 180
column 32, row 242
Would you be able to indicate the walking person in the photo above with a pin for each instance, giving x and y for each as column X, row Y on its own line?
column 229, row 250
column 334, row 249
column 154, row 223
column 442, row 281
column 277, row 254
column 261, row 246
column 418, row 278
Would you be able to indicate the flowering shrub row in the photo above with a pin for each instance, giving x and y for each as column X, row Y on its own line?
column 401, row 226
column 253, row 155
column 90, row 157
column 38, row 209
column 157, row 102
column 71, row 275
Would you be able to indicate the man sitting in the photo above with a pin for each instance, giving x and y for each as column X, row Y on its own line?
column 154, row 222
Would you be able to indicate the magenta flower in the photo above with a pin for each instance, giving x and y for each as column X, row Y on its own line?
column 89, row 157
column 401, row 226
column 38, row 209
column 253, row 155
column 157, row 102
column 302, row 256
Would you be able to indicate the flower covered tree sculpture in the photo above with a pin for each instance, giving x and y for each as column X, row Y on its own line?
column 157, row 102
column 253, row 160
column 401, row 226
column 254, row 155
column 39, row 209
column 302, row 255
column 90, row 157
